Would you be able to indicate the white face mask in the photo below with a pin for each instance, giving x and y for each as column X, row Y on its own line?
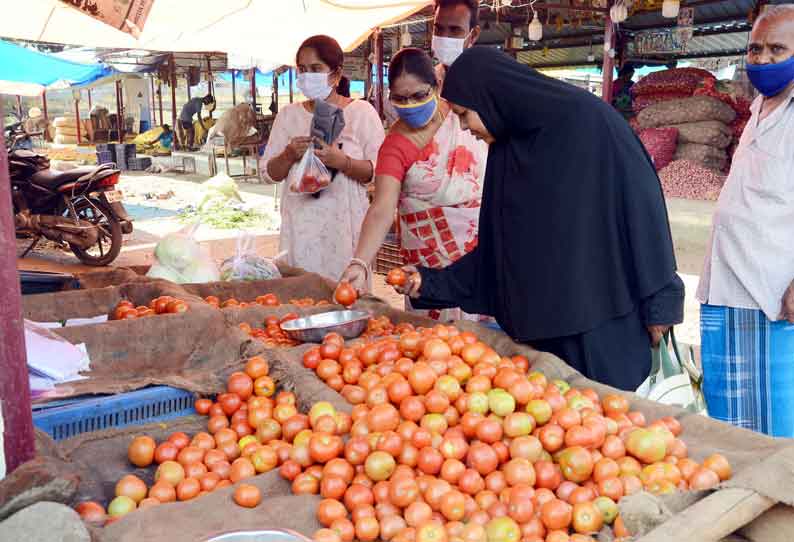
column 314, row 85
column 447, row 50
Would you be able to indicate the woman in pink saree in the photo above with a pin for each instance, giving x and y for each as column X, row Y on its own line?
column 430, row 170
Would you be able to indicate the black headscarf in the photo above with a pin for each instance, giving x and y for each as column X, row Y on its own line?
column 573, row 226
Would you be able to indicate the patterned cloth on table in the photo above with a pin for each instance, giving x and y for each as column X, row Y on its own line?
column 748, row 369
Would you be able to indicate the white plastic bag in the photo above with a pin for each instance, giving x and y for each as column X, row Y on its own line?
column 246, row 264
column 179, row 258
column 311, row 176
column 673, row 380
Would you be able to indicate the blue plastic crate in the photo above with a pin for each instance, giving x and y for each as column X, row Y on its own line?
column 154, row 404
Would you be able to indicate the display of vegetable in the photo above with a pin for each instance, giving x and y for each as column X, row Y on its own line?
column 447, row 440
column 126, row 310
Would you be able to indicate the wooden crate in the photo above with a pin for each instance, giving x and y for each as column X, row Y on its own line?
column 389, row 255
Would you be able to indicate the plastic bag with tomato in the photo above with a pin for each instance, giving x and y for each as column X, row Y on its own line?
column 311, row 175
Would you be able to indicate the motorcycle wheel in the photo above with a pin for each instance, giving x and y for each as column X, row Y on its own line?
column 108, row 246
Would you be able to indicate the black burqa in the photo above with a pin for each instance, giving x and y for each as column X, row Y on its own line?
column 573, row 228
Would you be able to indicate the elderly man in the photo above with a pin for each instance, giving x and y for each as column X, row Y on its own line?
column 747, row 285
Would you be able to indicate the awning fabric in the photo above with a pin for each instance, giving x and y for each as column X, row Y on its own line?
column 269, row 31
column 28, row 73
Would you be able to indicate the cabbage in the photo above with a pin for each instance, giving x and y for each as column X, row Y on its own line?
column 177, row 251
column 201, row 271
column 158, row 271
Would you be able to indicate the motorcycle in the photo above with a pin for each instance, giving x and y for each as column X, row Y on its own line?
column 80, row 207
column 17, row 138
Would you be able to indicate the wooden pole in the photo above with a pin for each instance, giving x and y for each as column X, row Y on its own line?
column 44, row 110
column 609, row 61
column 379, row 75
column 119, row 113
column 234, row 87
column 160, row 99
column 291, row 84
column 173, row 94
column 19, row 106
column 210, row 81
column 253, row 87
column 368, row 79
column 187, row 79
column 154, row 103
column 17, row 434
column 90, row 104
column 275, row 91
column 77, row 118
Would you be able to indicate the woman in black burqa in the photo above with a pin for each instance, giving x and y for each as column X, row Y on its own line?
column 575, row 255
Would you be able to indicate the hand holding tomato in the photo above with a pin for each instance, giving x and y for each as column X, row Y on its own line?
column 413, row 282
column 356, row 276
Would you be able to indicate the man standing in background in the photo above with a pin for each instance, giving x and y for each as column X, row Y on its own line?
column 192, row 109
column 747, row 284
column 456, row 27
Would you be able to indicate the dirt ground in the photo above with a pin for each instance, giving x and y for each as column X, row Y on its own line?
column 155, row 202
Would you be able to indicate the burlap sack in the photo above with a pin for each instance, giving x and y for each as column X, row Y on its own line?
column 706, row 155
column 203, row 517
column 236, row 123
column 694, row 109
column 708, row 132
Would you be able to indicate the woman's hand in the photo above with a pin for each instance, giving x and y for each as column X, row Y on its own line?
column 657, row 333
column 356, row 275
column 413, row 284
column 297, row 148
column 331, row 155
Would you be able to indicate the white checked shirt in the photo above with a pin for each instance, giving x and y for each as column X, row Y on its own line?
column 750, row 259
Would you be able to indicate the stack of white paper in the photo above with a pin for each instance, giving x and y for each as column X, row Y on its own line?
column 52, row 359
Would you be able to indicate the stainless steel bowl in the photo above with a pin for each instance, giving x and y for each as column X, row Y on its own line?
column 312, row 329
column 264, row 535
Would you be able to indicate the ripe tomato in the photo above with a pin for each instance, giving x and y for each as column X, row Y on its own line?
column 141, row 451
column 131, row 486
column 247, row 496
column 718, row 464
column 556, row 514
column 91, row 512
column 345, row 295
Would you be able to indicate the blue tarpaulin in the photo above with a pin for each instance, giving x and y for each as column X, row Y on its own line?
column 28, row 73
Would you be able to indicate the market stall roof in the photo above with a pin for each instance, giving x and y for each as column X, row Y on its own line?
column 267, row 31
column 573, row 34
column 28, row 73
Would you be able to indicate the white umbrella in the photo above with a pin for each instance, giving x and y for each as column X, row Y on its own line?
column 266, row 30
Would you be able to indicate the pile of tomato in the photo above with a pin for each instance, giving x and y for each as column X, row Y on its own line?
column 266, row 300
column 452, row 442
column 447, row 441
column 126, row 310
column 247, row 413
column 272, row 335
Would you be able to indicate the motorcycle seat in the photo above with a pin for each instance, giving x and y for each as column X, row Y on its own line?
column 49, row 178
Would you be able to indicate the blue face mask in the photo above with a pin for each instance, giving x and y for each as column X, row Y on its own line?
column 418, row 115
column 771, row 79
